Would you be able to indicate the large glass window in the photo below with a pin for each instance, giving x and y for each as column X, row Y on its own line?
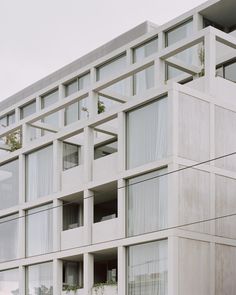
column 148, row 268
column 9, row 184
column 9, row 282
column 39, row 279
column 39, row 173
column 70, row 156
column 174, row 35
column 111, row 68
column 28, row 110
column 39, row 230
column 145, row 49
column 7, row 120
column 147, row 133
column 77, row 84
column 9, row 231
column 147, row 203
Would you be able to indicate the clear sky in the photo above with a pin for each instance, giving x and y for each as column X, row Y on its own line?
column 38, row 37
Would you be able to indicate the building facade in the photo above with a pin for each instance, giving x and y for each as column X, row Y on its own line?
column 107, row 179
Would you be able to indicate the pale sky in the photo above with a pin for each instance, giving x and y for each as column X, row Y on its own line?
column 38, row 37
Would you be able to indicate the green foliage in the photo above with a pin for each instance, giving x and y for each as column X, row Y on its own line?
column 71, row 288
column 101, row 107
column 100, row 286
column 13, row 140
column 201, row 56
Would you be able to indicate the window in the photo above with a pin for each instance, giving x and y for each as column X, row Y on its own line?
column 174, row 35
column 147, row 203
column 111, row 68
column 39, row 279
column 39, row 232
column 148, row 269
column 105, row 149
column 48, row 100
column 76, row 111
column 77, row 84
column 9, row 282
column 7, row 120
column 39, row 173
column 28, row 110
column 9, row 184
column 230, row 71
column 145, row 50
column 72, row 274
column 70, row 156
column 147, row 133
column 72, row 215
column 9, row 238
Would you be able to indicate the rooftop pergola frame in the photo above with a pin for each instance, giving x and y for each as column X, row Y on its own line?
column 208, row 36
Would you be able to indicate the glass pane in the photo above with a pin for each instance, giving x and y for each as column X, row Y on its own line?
column 230, row 72
column 9, row 184
column 147, row 133
column 28, row 110
column 70, row 156
column 47, row 101
column 148, row 268
column 11, row 119
column 111, row 68
column 144, row 80
column 84, row 81
column 146, row 50
column 72, row 87
column 76, row 111
column 105, row 150
column 40, row 279
column 9, row 238
column 39, row 173
column 147, row 203
column 9, row 282
column 39, row 232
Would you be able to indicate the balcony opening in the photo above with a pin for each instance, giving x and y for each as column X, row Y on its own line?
column 105, row 203
column 73, row 213
column 105, row 267
column 72, row 274
column 106, row 148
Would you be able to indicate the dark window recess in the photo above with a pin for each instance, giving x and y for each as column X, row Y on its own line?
column 105, row 211
column 105, row 271
column 105, row 149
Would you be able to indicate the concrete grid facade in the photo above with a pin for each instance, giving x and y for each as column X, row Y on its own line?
column 112, row 127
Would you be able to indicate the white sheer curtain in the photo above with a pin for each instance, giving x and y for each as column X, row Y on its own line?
column 148, row 269
column 39, row 230
column 40, row 279
column 9, row 231
column 9, row 184
column 9, row 282
column 147, row 203
column 39, row 167
column 147, row 133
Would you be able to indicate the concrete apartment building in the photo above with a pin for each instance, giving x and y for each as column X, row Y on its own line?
column 89, row 200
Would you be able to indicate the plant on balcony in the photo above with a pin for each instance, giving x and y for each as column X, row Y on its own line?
column 99, row 287
column 101, row 108
column 13, row 140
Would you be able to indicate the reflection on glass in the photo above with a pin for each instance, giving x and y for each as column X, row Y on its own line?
column 9, row 282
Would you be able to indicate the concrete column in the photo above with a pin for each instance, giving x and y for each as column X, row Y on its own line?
column 25, row 134
column 210, row 61
column 57, row 224
column 88, row 153
column 197, row 22
column 57, row 164
column 159, row 64
column 22, row 280
column 93, row 96
column 122, row 270
column 121, row 207
column 88, row 215
column 17, row 114
column 38, row 108
column 173, row 270
column 121, row 142
column 62, row 94
column 88, row 273
column 57, row 276
column 129, row 61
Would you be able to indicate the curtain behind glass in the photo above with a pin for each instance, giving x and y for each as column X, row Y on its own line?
column 52, row 119
column 147, row 133
column 148, row 269
column 9, row 235
column 39, row 169
column 40, row 279
column 147, row 203
column 39, row 230
column 9, row 282
column 9, row 184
